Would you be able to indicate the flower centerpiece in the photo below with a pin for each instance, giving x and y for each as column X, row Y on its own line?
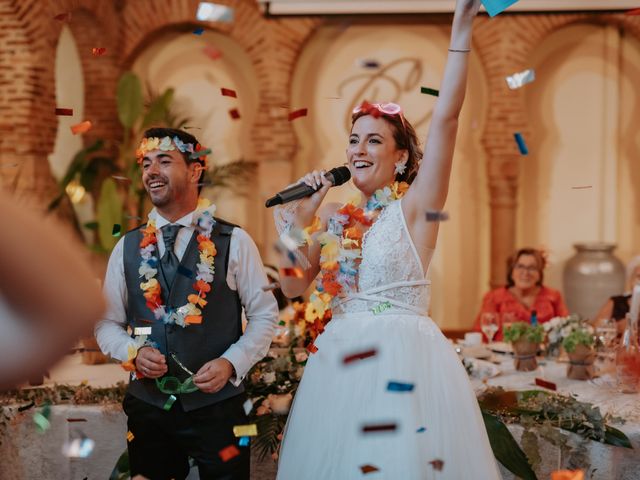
column 525, row 339
column 557, row 329
column 579, row 346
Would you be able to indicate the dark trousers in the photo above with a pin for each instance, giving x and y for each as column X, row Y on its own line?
column 163, row 440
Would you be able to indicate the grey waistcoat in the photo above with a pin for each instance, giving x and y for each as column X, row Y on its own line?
column 193, row 345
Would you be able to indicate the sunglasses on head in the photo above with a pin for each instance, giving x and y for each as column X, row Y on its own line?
column 378, row 109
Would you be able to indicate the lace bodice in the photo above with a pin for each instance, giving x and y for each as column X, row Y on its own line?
column 390, row 270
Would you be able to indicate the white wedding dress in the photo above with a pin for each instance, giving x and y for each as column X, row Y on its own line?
column 438, row 420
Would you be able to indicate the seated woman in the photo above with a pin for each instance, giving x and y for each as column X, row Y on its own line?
column 523, row 294
column 618, row 306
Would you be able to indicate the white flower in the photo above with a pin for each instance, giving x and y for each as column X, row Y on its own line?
column 269, row 377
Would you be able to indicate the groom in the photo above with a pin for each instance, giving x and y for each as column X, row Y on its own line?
column 175, row 289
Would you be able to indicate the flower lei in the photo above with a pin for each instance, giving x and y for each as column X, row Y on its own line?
column 189, row 313
column 340, row 250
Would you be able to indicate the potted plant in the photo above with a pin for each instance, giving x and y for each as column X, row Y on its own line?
column 525, row 339
column 579, row 347
column 556, row 330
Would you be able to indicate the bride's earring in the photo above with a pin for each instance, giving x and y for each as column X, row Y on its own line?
column 400, row 167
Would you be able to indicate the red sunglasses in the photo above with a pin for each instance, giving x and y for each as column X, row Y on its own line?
column 377, row 109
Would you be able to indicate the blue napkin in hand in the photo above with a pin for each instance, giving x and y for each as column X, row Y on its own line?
column 494, row 7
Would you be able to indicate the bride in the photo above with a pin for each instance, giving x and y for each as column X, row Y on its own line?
column 383, row 390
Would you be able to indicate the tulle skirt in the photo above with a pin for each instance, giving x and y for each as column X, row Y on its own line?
column 439, row 432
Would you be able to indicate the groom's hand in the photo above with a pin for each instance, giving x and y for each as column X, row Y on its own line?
column 213, row 375
column 151, row 362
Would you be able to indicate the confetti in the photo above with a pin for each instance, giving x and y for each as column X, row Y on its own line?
column 213, row 12
column 292, row 272
column 227, row 453
column 122, row 179
column 379, row 427
column 27, row 406
column 546, row 384
column 430, row 91
column 117, row 230
column 130, row 436
column 522, row 146
column 248, row 406
column 212, row 52
column 369, row 468
column 64, row 112
column 494, row 7
column 297, row 114
column 78, row 447
column 400, row 387
column 359, row 356
column 98, row 51
column 271, row 286
column 198, row 31
column 169, row 403
column 635, row 11
column 73, row 420
column 63, row 17
column 368, row 63
column 142, row 331
column 200, row 154
column 244, row 441
column 520, row 79
column 227, row 92
column 41, row 418
column 582, row 187
column 381, row 307
column 282, row 323
column 83, row 127
column 567, row 475
column 421, row 430
column 437, row 216
column 250, row 430
column 311, row 348
column 184, row 271
column 437, row 464
column 234, row 113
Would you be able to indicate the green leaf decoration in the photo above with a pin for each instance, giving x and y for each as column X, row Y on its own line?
column 121, row 470
column 91, row 225
column 108, row 213
column 615, row 437
column 158, row 109
column 130, row 99
column 269, row 427
column 506, row 449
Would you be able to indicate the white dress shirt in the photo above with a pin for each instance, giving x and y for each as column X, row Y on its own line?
column 245, row 274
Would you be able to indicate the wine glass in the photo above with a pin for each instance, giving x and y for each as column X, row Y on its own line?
column 489, row 325
column 607, row 332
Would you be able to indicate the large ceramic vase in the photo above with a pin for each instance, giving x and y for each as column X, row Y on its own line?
column 591, row 276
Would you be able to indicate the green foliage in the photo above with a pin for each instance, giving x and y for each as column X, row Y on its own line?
column 121, row 471
column 506, row 449
column 109, row 212
column 577, row 337
column 522, row 330
column 130, row 99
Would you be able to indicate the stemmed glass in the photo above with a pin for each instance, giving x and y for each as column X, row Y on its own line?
column 607, row 332
column 489, row 325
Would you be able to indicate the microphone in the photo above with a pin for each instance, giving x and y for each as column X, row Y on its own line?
column 337, row 176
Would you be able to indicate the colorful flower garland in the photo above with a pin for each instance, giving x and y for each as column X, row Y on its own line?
column 167, row 144
column 340, row 251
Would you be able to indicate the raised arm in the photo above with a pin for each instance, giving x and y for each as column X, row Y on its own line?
column 429, row 189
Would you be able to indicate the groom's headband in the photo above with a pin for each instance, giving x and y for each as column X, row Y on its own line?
column 166, row 144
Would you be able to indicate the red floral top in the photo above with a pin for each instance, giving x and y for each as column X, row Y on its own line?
column 548, row 304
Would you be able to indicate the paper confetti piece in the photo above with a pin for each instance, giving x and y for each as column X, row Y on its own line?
column 41, row 418
column 271, row 286
column 400, row 387
column 546, row 384
column 64, row 112
column 282, row 323
column 117, row 230
column 248, row 406
column 213, row 12
column 130, row 436
column 421, row 430
column 82, row 127
column 430, row 91
column 227, row 453
column 292, row 272
column 200, row 153
column 369, row 468
column 78, row 448
column 567, row 475
column 63, row 17
column 234, row 113
column 379, row 427
column 169, row 403
column 212, row 52
column 635, row 11
column 368, row 63
column 74, row 420
column 227, row 92
column 582, row 187
column 198, row 31
column 98, row 51
column 494, row 7
column 27, row 406
column 520, row 79
column 311, row 348
column 250, row 430
column 381, row 307
column 142, row 331
column 122, row 179
column 244, row 441
column 436, row 216
column 359, row 356
column 437, row 464
column 522, row 146
column 184, row 271
column 297, row 114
